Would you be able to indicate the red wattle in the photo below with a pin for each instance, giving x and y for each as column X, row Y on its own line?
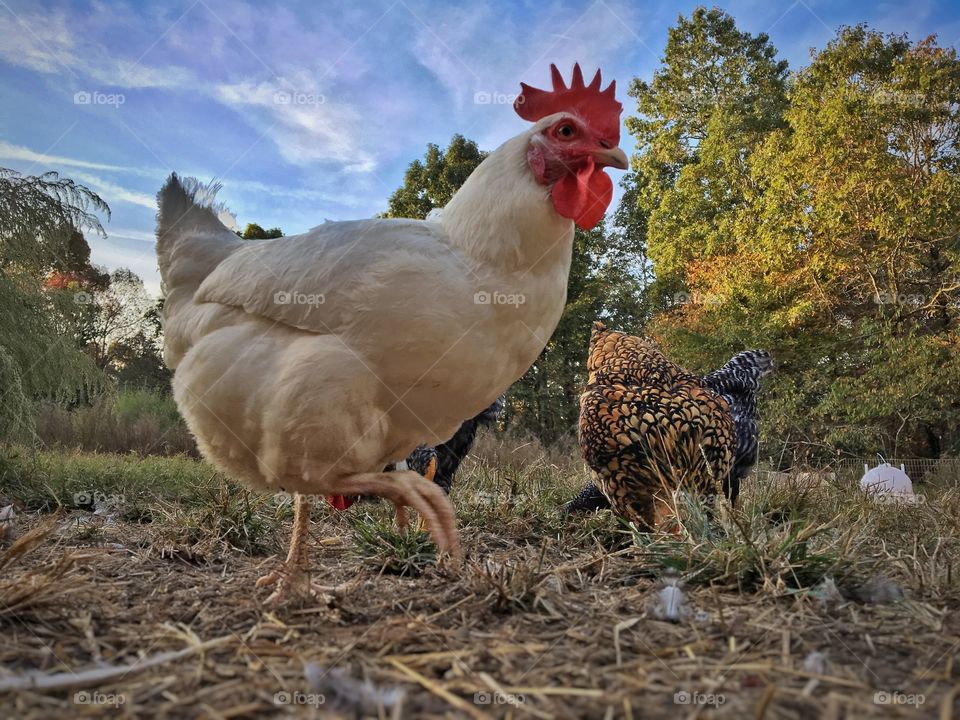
column 583, row 197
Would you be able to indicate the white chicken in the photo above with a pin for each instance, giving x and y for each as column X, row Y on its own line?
column 308, row 363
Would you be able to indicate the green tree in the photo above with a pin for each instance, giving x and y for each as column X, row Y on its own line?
column 430, row 183
column 42, row 269
column 860, row 209
column 255, row 232
column 824, row 228
column 716, row 96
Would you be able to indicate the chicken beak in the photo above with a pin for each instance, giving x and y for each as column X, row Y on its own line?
column 612, row 157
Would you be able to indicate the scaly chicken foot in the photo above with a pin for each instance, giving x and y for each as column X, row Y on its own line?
column 292, row 580
column 429, row 474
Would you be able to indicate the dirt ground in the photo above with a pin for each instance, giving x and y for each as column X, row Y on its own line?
column 525, row 627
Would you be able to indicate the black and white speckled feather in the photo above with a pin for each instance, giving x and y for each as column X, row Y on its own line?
column 737, row 382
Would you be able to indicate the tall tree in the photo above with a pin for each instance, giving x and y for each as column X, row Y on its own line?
column 829, row 234
column 430, row 183
column 859, row 215
column 40, row 220
column 717, row 94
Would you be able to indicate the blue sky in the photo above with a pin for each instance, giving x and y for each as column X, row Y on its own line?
column 311, row 111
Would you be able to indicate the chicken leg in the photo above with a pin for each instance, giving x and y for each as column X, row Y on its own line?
column 428, row 474
column 403, row 489
column 294, row 577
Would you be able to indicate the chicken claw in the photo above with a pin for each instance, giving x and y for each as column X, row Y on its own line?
column 410, row 489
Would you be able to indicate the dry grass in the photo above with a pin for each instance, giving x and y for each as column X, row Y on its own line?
column 150, row 611
column 139, row 421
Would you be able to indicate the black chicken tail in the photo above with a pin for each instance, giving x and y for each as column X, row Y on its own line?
column 451, row 453
column 737, row 382
column 590, row 499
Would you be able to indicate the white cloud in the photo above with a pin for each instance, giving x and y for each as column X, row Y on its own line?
column 298, row 194
column 306, row 125
column 132, row 234
column 459, row 49
column 127, row 74
column 38, row 42
column 50, row 43
column 111, row 192
column 9, row 151
column 447, row 51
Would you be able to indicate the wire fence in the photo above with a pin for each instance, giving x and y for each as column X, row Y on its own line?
column 939, row 470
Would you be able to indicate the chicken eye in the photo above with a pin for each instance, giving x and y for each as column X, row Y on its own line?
column 566, row 131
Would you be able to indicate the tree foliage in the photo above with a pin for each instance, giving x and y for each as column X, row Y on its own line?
column 819, row 221
column 430, row 183
column 41, row 218
column 255, row 232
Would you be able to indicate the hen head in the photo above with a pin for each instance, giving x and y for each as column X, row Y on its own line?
column 577, row 136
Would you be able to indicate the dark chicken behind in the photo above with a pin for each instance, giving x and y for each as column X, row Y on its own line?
column 647, row 426
column 738, row 382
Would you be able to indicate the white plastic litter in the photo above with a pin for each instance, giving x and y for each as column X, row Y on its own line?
column 340, row 690
column 886, row 482
column 826, row 593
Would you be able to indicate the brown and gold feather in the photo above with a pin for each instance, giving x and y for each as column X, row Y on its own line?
column 648, row 427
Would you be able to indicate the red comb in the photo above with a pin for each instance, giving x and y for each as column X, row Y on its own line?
column 598, row 107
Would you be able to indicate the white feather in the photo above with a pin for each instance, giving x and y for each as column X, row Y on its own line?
column 307, row 359
column 671, row 603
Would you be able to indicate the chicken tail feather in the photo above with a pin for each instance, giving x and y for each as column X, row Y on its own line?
column 192, row 240
column 192, row 233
